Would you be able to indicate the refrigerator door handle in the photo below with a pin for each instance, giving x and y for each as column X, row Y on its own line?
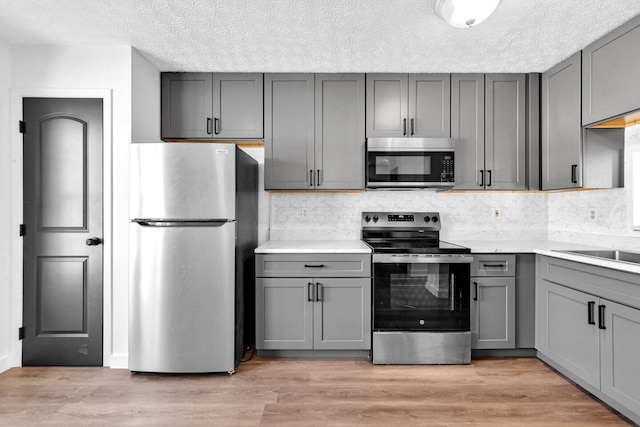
column 169, row 223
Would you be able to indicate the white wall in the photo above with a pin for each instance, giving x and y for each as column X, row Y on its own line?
column 61, row 70
column 5, row 213
column 145, row 99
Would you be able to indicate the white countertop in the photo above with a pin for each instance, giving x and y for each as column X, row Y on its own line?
column 548, row 248
column 313, row 246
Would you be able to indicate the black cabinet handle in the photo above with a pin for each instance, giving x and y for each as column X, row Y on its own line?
column 404, row 127
column 481, row 177
column 314, row 266
column 489, row 182
column 208, row 125
column 494, row 265
column 590, row 307
column 216, row 125
column 574, row 174
column 475, row 287
column 311, row 178
column 319, row 292
column 309, row 291
column 601, row 325
column 318, row 180
column 411, row 126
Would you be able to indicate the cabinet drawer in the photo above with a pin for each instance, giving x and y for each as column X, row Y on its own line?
column 493, row 265
column 313, row 265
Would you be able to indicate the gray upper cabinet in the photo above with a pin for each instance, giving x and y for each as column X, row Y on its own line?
column 561, row 148
column 187, row 105
column 339, row 131
column 610, row 70
column 314, row 131
column 408, row 105
column 489, row 116
column 212, row 106
column 505, row 127
column 467, row 129
column 289, row 131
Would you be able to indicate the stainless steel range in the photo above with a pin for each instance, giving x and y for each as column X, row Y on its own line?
column 420, row 290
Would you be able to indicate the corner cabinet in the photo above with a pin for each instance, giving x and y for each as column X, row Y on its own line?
column 313, row 302
column 488, row 124
column 212, row 105
column 610, row 70
column 408, row 105
column 588, row 327
column 314, row 131
column 561, row 148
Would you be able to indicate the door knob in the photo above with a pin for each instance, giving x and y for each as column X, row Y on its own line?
column 93, row 241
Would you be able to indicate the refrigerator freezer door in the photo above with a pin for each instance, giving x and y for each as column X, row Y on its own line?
column 183, row 181
column 181, row 298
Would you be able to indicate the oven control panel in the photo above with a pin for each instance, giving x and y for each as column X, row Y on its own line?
column 428, row 220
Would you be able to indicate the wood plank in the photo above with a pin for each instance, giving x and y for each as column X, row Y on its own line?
column 309, row 392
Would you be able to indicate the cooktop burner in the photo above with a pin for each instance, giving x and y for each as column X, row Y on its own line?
column 406, row 232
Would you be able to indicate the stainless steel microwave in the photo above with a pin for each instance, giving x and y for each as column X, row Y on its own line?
column 410, row 162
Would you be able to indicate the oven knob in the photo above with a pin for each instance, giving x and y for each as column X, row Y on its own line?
column 434, row 219
column 427, row 219
column 367, row 218
column 375, row 218
column 421, row 322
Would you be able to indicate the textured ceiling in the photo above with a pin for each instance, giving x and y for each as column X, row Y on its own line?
column 318, row 35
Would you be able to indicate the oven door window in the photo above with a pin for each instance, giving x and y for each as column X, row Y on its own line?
column 432, row 297
column 405, row 167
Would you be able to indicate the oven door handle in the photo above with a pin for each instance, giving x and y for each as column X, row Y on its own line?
column 422, row 259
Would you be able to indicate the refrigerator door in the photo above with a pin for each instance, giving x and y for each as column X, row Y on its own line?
column 181, row 298
column 183, row 181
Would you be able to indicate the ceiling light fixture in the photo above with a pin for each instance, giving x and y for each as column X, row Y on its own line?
column 465, row 13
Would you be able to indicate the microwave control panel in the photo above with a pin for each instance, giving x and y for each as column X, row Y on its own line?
column 447, row 168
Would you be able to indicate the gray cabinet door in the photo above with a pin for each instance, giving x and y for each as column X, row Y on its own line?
column 342, row 314
column 289, row 131
column 610, row 70
column 467, row 129
column 387, row 102
column 284, row 314
column 563, row 331
column 561, row 150
column 339, row 131
column 619, row 349
column 429, row 105
column 237, row 105
column 493, row 316
column 505, row 119
column 187, row 102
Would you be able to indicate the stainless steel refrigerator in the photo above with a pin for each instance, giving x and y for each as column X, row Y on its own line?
column 193, row 231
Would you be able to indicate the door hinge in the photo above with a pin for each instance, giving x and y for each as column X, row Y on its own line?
column 22, row 126
column 23, row 230
column 21, row 333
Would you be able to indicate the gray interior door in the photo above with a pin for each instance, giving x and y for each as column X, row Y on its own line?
column 63, row 219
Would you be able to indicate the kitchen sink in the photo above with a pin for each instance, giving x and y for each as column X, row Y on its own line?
column 624, row 256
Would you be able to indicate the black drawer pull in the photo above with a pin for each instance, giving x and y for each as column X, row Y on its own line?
column 590, row 319
column 314, row 266
column 601, row 317
column 495, row 265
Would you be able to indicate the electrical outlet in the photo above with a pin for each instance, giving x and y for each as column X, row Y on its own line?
column 496, row 213
column 304, row 212
column 593, row 214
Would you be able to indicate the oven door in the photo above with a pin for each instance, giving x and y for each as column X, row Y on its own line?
column 421, row 294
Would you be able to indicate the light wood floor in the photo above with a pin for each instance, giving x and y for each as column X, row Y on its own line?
column 294, row 392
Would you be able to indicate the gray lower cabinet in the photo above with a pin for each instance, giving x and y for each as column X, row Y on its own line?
column 493, row 302
column 408, row 105
column 610, row 70
column 212, row 105
column 318, row 312
column 489, row 117
column 588, row 327
column 314, row 131
column 561, row 148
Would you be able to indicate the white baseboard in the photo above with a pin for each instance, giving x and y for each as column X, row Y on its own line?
column 119, row 361
column 4, row 363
